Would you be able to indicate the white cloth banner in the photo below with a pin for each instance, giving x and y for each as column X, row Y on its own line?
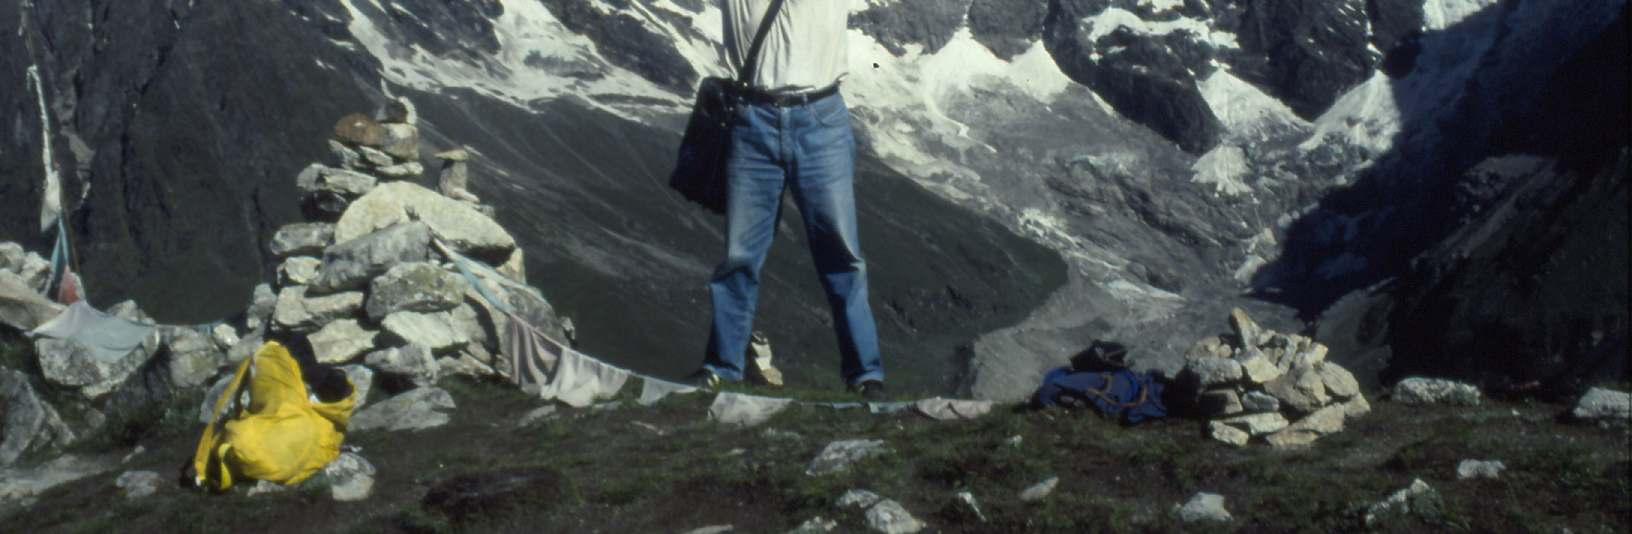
column 655, row 390
column 745, row 410
column 51, row 199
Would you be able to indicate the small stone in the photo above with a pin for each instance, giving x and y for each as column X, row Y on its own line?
column 1040, row 490
column 300, row 311
column 1419, row 390
column 1258, row 424
column 244, row 348
column 263, row 487
column 453, row 154
column 415, row 409
column 302, row 239
column 815, row 525
column 374, row 158
column 261, row 306
column 349, row 159
column 1246, row 330
column 298, row 271
column 359, row 130
column 191, row 358
column 1206, row 348
column 1204, row 507
column 224, row 336
column 1356, row 407
column 401, row 141
column 362, row 382
column 402, row 170
column 1325, row 421
column 138, row 484
column 1291, row 438
column 1260, row 402
column 35, row 270
column 1208, row 372
column 434, row 330
column 889, row 517
column 1403, row 501
column 400, row 111
column 319, row 179
column 418, row 287
column 1602, row 403
column 1228, row 434
column 840, row 455
column 1258, row 367
column 1220, row 402
column 413, row 363
column 858, row 498
column 350, row 477
column 340, row 341
column 1015, row 440
column 536, row 415
column 1339, row 382
column 1491, row 469
column 715, row 529
column 1315, row 355
column 1302, row 390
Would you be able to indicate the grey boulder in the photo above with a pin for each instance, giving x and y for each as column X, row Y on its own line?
column 352, row 262
column 413, row 363
column 1204, row 507
column 433, row 330
column 415, row 409
column 341, row 340
column 454, row 223
column 1603, row 404
column 838, row 456
column 417, row 287
column 27, row 422
column 191, row 358
column 300, row 311
column 302, row 239
column 1420, row 390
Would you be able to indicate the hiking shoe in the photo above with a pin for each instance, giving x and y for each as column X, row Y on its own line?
column 870, row 390
column 703, row 379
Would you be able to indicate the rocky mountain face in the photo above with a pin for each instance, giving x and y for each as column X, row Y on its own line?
column 1034, row 173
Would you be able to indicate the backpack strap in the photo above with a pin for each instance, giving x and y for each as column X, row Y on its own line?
column 751, row 61
column 1105, row 393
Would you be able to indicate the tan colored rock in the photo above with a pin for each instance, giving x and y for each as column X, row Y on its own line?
column 401, row 141
column 1258, row 424
column 1220, row 402
column 1291, row 438
column 1339, row 382
column 1315, row 355
column 1325, row 421
column 454, row 223
column 1258, row 367
column 1301, row 390
column 341, row 341
column 453, row 154
column 1228, row 434
column 514, row 268
column 1208, row 372
column 1246, row 330
column 1356, row 407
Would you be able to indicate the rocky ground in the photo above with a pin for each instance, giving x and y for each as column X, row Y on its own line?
column 505, row 462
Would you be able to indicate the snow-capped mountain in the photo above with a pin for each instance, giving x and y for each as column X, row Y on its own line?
column 1171, row 157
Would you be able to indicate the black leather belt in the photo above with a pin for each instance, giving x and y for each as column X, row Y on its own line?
column 783, row 100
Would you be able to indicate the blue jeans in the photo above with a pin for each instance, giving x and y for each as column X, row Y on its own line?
column 811, row 148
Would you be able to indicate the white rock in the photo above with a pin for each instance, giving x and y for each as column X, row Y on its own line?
column 455, row 223
column 1601, row 403
column 1228, row 434
column 11, row 256
column 889, row 517
column 1257, row 366
column 1204, row 507
column 35, row 270
column 362, row 382
column 1210, row 372
column 349, row 158
column 224, row 336
column 1401, row 501
column 191, row 358
column 1419, row 390
column 840, row 455
column 1301, row 389
column 542, row 413
column 402, row 140
column 1479, row 469
column 320, row 179
column 413, row 362
column 299, row 310
column 434, row 330
column 27, row 422
column 1260, row 402
column 138, row 484
column 858, row 498
column 66, row 362
column 1258, row 424
column 298, row 271
column 1040, row 490
column 1325, row 421
column 261, row 307
column 1245, row 329
column 815, row 525
column 1289, row 438
column 340, row 341
column 415, row 409
column 402, row 170
column 1356, row 407
column 374, row 157
column 302, row 239
column 1339, row 382
column 350, row 477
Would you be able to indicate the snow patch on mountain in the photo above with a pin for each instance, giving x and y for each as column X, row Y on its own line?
column 1365, row 117
column 1441, row 14
column 1225, row 168
column 1245, row 109
column 534, row 47
column 1113, row 18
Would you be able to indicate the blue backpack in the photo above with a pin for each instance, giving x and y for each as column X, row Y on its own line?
column 1120, row 394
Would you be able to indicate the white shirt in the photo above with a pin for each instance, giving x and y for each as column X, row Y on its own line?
column 805, row 49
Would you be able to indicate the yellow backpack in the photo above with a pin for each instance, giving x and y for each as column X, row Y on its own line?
column 281, row 436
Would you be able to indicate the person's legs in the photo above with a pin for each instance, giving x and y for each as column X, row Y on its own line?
column 823, row 176
column 755, row 195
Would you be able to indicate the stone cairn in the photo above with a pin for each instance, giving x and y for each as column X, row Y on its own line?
column 363, row 277
column 1261, row 384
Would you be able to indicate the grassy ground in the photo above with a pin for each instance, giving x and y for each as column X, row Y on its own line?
column 666, row 468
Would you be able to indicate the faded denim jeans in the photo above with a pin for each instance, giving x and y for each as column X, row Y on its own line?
column 810, row 149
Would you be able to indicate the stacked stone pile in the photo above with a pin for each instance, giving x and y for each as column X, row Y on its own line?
column 1257, row 384
column 363, row 277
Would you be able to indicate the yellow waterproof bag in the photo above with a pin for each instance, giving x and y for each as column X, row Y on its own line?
column 280, row 436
